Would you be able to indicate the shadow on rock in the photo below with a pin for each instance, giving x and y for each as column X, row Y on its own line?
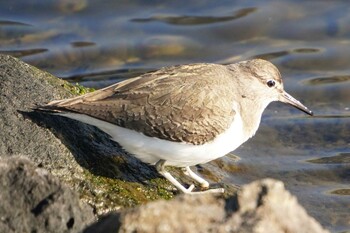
column 93, row 149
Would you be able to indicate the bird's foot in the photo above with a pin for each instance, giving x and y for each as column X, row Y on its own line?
column 217, row 191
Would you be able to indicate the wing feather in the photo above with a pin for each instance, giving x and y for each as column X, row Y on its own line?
column 180, row 103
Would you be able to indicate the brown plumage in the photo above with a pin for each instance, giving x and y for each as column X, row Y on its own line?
column 177, row 103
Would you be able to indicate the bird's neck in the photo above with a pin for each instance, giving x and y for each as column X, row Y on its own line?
column 251, row 115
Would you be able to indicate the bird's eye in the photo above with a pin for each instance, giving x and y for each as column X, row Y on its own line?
column 271, row 83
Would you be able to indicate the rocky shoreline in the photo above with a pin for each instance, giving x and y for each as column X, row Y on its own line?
column 59, row 175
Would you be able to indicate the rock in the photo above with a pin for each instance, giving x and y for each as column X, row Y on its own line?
column 260, row 207
column 32, row 200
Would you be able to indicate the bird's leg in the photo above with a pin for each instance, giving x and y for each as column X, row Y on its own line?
column 203, row 182
column 188, row 172
column 160, row 166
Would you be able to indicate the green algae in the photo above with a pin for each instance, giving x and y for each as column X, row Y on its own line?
column 77, row 89
column 108, row 194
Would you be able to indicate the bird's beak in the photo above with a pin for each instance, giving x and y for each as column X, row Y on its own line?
column 288, row 99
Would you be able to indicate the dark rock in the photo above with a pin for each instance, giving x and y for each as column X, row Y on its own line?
column 260, row 207
column 108, row 223
column 32, row 200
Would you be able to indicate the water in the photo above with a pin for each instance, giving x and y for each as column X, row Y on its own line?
column 97, row 43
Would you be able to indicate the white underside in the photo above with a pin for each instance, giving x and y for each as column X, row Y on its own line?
column 151, row 150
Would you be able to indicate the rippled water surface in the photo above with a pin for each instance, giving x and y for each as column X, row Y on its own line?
column 98, row 43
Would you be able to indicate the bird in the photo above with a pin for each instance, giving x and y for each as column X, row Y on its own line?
column 182, row 115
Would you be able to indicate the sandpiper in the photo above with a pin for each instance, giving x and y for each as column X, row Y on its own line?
column 182, row 115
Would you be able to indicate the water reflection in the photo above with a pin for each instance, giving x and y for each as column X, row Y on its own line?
column 341, row 158
column 82, row 44
column 196, row 20
column 23, row 53
column 328, row 80
column 273, row 55
column 345, row 192
column 12, row 23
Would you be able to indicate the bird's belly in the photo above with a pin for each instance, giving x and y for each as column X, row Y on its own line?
column 180, row 154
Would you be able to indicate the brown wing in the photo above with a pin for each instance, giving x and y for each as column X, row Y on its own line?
column 190, row 103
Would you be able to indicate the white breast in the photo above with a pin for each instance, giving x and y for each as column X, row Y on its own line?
column 151, row 150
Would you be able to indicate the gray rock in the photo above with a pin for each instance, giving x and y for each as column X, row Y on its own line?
column 21, row 86
column 32, row 200
column 260, row 207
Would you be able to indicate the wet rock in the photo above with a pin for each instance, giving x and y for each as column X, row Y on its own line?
column 32, row 200
column 260, row 207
